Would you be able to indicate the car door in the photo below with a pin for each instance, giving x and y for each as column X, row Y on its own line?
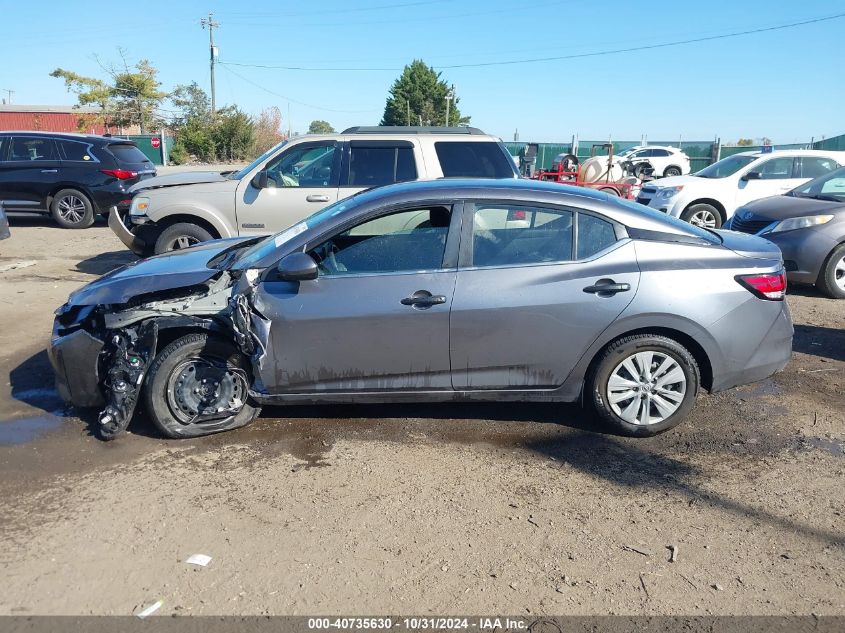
column 301, row 179
column 536, row 286
column 377, row 317
column 29, row 172
column 771, row 177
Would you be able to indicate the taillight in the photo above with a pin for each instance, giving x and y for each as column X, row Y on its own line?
column 120, row 174
column 770, row 286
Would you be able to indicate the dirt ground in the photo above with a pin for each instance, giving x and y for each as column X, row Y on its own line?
column 520, row 509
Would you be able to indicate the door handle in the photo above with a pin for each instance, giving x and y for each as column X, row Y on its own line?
column 49, row 171
column 317, row 198
column 423, row 299
column 607, row 288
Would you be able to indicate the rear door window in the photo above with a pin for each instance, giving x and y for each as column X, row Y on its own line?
column 776, row 168
column 594, row 235
column 460, row 159
column 374, row 166
column 127, row 153
column 32, row 148
column 4, row 145
column 76, row 151
column 510, row 234
column 815, row 166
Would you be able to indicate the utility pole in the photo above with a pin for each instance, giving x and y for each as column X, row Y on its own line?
column 449, row 96
column 212, row 49
column 9, row 93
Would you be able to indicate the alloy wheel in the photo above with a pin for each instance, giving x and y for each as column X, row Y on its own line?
column 839, row 273
column 183, row 241
column 71, row 209
column 646, row 388
column 704, row 218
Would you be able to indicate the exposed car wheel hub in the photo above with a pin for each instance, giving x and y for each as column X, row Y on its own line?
column 200, row 388
column 71, row 209
column 704, row 219
column 646, row 388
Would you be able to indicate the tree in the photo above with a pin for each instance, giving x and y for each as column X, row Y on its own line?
column 190, row 102
column 233, row 134
column 419, row 95
column 320, row 127
column 267, row 132
column 745, row 141
column 128, row 95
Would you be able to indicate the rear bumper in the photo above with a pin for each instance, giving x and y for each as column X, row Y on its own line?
column 129, row 239
column 75, row 361
column 771, row 354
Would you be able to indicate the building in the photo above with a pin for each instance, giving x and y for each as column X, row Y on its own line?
column 53, row 118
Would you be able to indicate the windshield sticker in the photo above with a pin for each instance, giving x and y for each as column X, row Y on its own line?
column 292, row 232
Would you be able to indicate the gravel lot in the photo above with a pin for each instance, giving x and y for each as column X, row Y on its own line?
column 520, row 509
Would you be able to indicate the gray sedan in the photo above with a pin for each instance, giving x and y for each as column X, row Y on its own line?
column 808, row 224
column 450, row 290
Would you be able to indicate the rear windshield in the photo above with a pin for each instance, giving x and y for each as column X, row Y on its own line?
column 473, row 160
column 127, row 153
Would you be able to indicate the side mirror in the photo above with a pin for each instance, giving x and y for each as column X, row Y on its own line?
column 297, row 267
column 261, row 180
column 752, row 175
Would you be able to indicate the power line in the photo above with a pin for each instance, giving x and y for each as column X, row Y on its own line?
column 379, row 7
column 280, row 96
column 614, row 51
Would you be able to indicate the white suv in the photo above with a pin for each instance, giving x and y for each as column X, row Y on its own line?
column 709, row 197
column 297, row 178
column 663, row 160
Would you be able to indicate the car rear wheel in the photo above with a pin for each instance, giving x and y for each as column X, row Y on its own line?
column 613, row 191
column 644, row 384
column 671, row 171
column 832, row 276
column 704, row 215
column 179, row 236
column 199, row 385
column 72, row 209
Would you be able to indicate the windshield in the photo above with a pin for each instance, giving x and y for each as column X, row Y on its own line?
column 831, row 186
column 257, row 252
column 245, row 170
column 726, row 167
column 630, row 150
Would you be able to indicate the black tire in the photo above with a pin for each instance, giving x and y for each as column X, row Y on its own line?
column 703, row 214
column 71, row 209
column 611, row 191
column 832, row 275
column 213, row 359
column 670, row 171
column 623, row 349
column 180, row 235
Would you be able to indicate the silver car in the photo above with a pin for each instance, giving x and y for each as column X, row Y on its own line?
column 447, row 290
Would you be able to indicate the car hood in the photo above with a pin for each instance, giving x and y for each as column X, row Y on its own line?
column 674, row 181
column 177, row 269
column 783, row 207
column 181, row 178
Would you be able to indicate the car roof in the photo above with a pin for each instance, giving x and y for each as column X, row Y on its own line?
column 71, row 136
column 793, row 152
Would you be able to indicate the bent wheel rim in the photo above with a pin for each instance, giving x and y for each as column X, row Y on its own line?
column 704, row 219
column 71, row 209
column 839, row 273
column 197, row 387
column 646, row 388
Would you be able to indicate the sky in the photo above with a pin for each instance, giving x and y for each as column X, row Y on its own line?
column 782, row 84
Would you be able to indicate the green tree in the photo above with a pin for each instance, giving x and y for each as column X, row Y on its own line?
column 320, row 127
column 127, row 95
column 419, row 95
column 233, row 134
column 190, row 102
column 745, row 141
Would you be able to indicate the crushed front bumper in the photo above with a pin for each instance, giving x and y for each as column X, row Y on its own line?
column 129, row 239
column 75, row 359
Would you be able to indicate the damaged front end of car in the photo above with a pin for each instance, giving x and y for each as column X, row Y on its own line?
column 102, row 353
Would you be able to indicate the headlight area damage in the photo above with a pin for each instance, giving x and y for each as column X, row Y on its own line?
column 102, row 354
